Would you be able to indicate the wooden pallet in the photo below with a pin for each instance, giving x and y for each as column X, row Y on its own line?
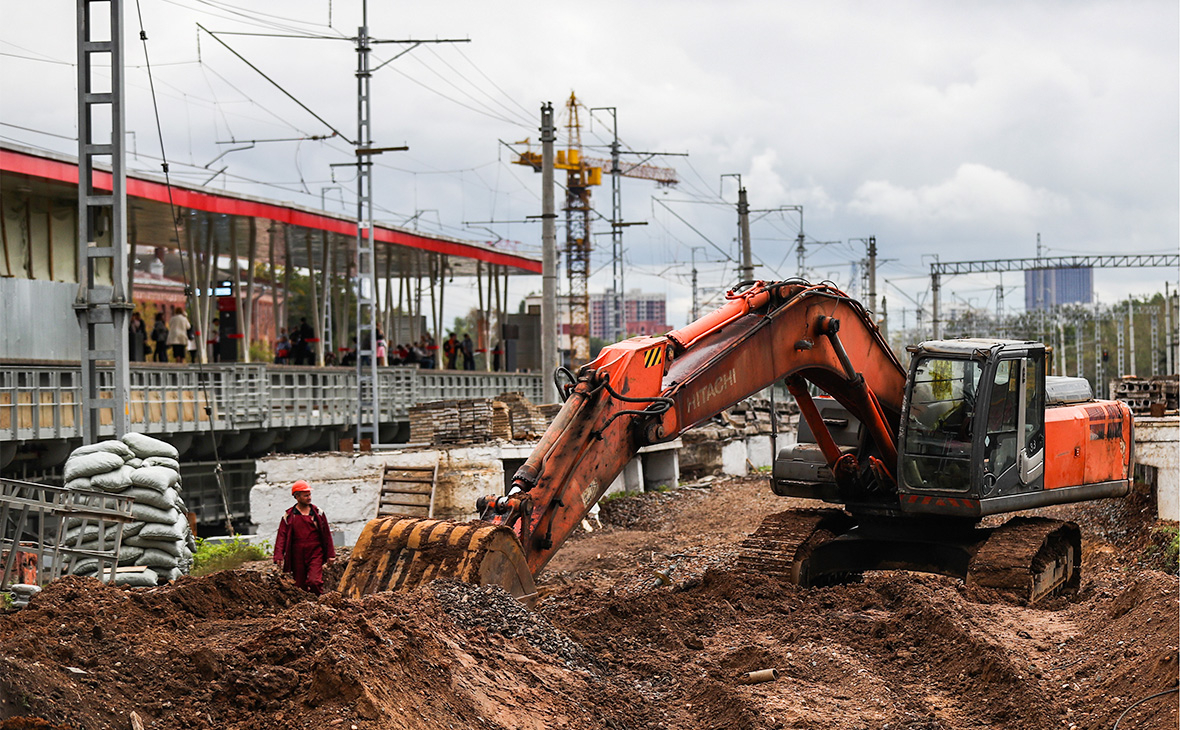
column 408, row 490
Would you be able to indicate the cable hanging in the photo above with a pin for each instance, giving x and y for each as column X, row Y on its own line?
column 202, row 378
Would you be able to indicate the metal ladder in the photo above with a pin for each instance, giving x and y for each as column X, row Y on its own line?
column 408, row 490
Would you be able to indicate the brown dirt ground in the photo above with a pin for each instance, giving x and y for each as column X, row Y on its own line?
column 642, row 625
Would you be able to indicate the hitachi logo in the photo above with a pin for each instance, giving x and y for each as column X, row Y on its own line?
column 715, row 388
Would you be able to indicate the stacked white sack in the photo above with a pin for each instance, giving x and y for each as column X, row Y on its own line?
column 159, row 538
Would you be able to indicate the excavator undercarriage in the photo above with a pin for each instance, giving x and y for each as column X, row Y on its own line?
column 1026, row 559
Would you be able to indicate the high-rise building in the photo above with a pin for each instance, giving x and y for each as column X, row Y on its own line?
column 646, row 314
column 1046, row 288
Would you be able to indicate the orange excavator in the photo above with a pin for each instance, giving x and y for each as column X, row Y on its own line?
column 914, row 459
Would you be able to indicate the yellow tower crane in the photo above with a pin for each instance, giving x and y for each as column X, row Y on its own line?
column 582, row 173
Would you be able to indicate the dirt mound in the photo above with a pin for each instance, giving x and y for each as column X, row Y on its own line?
column 644, row 625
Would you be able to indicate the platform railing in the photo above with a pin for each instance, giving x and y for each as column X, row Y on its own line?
column 42, row 401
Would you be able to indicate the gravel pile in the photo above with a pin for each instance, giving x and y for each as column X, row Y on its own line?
column 495, row 610
column 158, row 540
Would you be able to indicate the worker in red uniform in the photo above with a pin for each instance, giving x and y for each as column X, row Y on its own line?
column 304, row 544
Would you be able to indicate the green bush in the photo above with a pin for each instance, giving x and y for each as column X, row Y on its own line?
column 1164, row 550
column 614, row 496
column 213, row 556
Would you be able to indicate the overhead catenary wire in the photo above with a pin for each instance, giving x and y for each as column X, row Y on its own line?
column 276, row 84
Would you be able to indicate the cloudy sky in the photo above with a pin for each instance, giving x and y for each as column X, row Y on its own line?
column 956, row 130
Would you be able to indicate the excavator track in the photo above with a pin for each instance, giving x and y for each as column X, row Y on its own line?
column 1029, row 558
column 782, row 544
column 398, row 553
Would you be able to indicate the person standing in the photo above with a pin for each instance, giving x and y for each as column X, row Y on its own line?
column 304, row 355
column 450, row 351
column 137, row 337
column 178, row 328
column 304, row 543
column 160, row 338
column 468, row 347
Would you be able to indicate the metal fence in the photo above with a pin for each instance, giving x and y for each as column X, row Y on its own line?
column 43, row 401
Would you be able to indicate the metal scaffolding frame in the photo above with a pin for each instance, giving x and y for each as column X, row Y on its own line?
column 100, row 308
column 940, row 268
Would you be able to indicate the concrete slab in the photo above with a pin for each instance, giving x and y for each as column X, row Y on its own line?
column 1157, row 444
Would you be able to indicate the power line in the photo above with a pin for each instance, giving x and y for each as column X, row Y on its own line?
column 276, row 84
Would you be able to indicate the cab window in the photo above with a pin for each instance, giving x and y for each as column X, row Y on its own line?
column 939, row 423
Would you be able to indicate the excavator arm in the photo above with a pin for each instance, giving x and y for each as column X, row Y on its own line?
column 651, row 389
column 647, row 390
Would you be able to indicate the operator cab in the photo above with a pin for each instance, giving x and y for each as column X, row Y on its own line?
column 973, row 427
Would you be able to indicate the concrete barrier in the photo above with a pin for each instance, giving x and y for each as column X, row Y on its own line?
column 1157, row 444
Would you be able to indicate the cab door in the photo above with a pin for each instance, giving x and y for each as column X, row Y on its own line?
column 1014, row 426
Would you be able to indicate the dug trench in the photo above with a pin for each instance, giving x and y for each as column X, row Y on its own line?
column 643, row 623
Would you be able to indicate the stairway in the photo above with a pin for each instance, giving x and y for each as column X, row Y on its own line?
column 408, row 490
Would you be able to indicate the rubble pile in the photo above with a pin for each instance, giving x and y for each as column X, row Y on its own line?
column 159, row 540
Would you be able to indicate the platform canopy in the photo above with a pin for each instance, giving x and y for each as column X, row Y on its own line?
column 53, row 178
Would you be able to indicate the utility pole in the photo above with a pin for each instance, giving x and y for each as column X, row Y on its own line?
column 618, row 313
column 696, row 297
column 1000, row 309
column 1131, row 333
column 743, row 207
column 368, row 413
column 871, row 269
column 872, row 274
column 1169, row 340
column 1099, row 366
column 935, row 293
column 97, row 306
column 548, row 256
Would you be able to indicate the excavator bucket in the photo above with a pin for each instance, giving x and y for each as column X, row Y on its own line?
column 399, row 553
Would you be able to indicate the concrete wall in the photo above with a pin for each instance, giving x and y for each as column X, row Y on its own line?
column 347, row 487
column 1157, row 444
column 37, row 321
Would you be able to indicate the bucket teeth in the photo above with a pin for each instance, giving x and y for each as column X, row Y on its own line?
column 401, row 553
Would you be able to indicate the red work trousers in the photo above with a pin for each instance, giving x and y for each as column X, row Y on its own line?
column 308, row 555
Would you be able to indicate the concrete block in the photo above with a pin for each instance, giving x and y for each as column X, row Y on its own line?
column 733, row 458
column 1157, row 444
column 661, row 469
column 758, row 451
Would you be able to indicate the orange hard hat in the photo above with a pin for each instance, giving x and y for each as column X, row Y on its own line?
column 300, row 486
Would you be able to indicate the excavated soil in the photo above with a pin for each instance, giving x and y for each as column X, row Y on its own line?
column 642, row 624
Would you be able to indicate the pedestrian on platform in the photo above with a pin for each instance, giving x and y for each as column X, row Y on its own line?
column 178, row 336
column 450, row 351
column 160, row 338
column 304, row 543
column 282, row 348
column 468, row 352
column 137, row 337
column 302, row 350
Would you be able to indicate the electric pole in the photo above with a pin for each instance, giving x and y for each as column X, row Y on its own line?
column 548, row 256
column 696, row 300
column 368, row 413
column 743, row 206
column 99, row 307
